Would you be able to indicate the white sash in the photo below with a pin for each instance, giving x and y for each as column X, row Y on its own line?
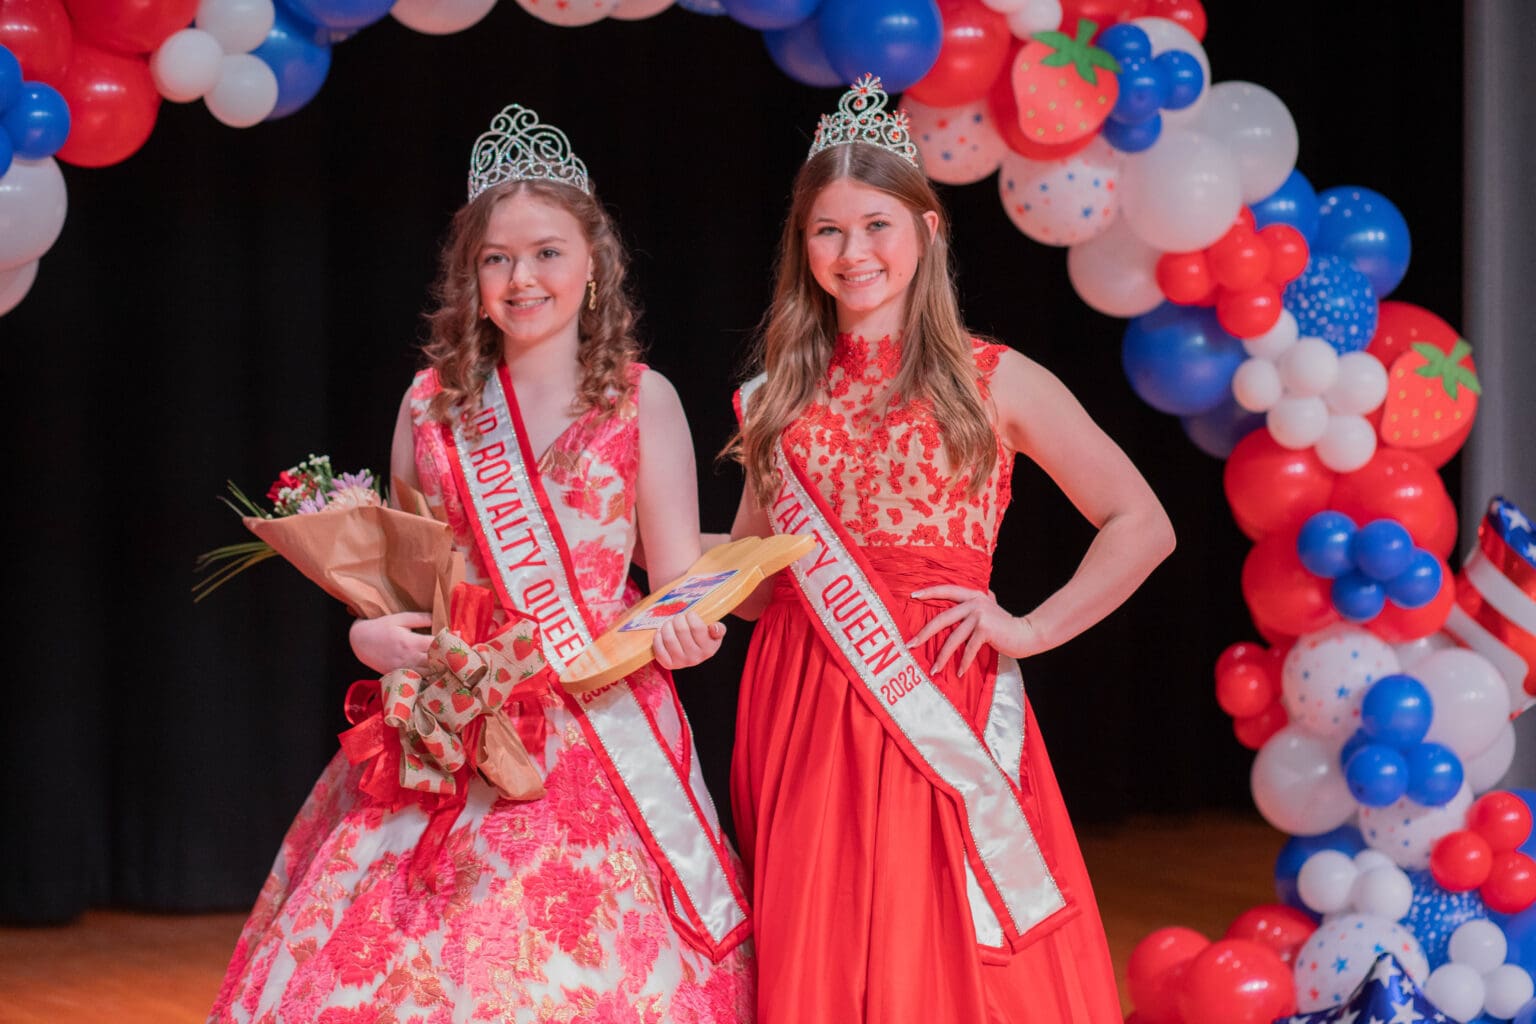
column 524, row 550
column 1009, row 884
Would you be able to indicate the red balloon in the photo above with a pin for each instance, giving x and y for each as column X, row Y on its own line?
column 1236, row 981
column 112, row 107
column 1501, row 818
column 1511, row 885
column 1185, row 278
column 1156, row 971
column 1005, row 115
column 1255, row 730
column 1288, row 252
column 1400, row 325
column 130, row 26
column 1239, row 259
column 1281, row 928
column 1280, row 592
column 1460, row 861
column 1244, row 685
column 39, row 35
column 1100, row 12
column 1398, row 625
column 1272, row 488
column 1188, row 13
column 1250, row 312
column 973, row 51
column 1399, row 485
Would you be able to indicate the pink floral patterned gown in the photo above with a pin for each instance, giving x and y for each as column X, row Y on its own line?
column 551, row 911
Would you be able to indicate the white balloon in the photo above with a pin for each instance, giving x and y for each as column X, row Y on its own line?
column 1383, row 891
column 960, row 145
column 1506, row 990
column 33, row 203
column 1414, row 651
column 1274, row 341
column 1297, row 423
column 1116, row 272
column 1348, row 442
column 1297, row 784
column 1325, row 676
column 1405, row 831
column 1166, row 34
column 239, row 25
column 1258, row 129
column 15, row 282
column 577, row 12
column 1341, row 952
column 1308, row 367
column 1480, row 944
column 1471, row 700
column 1007, row 6
column 246, row 91
column 1034, row 16
column 440, row 17
column 1183, row 193
column 1257, row 386
column 1360, row 386
column 1062, row 202
column 1368, row 858
column 1484, row 771
column 186, row 65
column 1456, row 990
column 1325, row 881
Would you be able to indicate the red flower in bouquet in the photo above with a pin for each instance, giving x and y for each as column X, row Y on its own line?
column 287, row 480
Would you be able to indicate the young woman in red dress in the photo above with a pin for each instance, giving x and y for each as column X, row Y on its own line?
column 910, row 854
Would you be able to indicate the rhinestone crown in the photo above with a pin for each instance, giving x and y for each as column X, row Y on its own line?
column 518, row 147
column 861, row 117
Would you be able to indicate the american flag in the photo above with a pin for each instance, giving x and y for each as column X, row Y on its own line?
column 1386, row 996
column 1495, row 612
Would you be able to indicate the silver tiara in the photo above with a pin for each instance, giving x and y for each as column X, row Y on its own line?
column 861, row 117
column 520, row 148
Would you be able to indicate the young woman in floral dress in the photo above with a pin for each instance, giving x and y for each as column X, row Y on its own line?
column 549, row 449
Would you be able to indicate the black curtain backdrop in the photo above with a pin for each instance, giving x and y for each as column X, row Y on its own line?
column 226, row 302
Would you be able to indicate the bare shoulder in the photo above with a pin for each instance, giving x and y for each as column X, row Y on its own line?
column 656, row 396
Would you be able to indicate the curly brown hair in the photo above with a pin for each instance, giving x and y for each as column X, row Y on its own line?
column 464, row 348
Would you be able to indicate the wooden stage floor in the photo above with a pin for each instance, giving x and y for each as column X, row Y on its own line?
column 1199, row 871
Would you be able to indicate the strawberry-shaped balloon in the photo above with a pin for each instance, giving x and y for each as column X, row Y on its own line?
column 1431, row 396
column 1065, row 86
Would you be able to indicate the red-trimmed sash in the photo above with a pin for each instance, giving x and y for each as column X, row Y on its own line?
column 522, row 545
column 1010, row 886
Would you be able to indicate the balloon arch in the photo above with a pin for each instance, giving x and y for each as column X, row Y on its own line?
column 1380, row 702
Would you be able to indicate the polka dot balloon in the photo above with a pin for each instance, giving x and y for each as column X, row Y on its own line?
column 1062, row 202
column 960, row 145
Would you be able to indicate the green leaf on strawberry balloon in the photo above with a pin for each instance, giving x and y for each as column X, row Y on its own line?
column 1446, row 367
column 1079, row 52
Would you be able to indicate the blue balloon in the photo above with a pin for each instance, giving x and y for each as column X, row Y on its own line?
column 1396, row 710
column 710, row 7
column 1345, row 839
column 896, row 39
column 1183, row 78
column 1323, row 544
column 1377, row 775
column 1366, row 230
column 1133, row 138
column 299, row 60
column 344, row 15
column 1418, row 584
column 1357, row 739
column 1383, row 549
column 38, row 122
column 798, row 53
column 1179, row 360
column 1293, row 203
column 1435, row 913
column 1217, row 431
column 10, row 79
column 1333, row 301
column 1358, row 597
column 1434, row 774
column 1141, row 91
column 6, row 153
column 770, row 14
column 1124, row 41
column 1520, row 933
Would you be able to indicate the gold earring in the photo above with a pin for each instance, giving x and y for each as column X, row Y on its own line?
column 591, row 293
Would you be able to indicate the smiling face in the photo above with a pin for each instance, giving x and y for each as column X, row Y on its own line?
column 862, row 246
column 532, row 268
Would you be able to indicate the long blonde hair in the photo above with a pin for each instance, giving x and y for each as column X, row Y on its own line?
column 796, row 338
column 464, row 348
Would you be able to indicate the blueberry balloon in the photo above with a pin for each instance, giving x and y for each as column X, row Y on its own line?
column 1179, row 360
column 38, row 122
column 1345, row 839
column 1183, row 78
column 1434, row 774
column 1376, row 775
column 1217, row 430
column 1293, row 203
column 1418, row 584
column 798, row 53
column 1124, row 41
column 1141, row 90
column 1333, row 301
column 1396, row 710
column 1435, row 913
column 297, row 57
column 10, row 78
column 1383, row 549
column 1323, row 544
column 1133, row 138
column 1365, row 229
column 1358, row 597
column 896, row 39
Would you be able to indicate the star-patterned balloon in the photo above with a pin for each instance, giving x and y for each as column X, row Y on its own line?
column 1406, row 831
column 1386, row 995
column 1326, row 674
column 1338, row 956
